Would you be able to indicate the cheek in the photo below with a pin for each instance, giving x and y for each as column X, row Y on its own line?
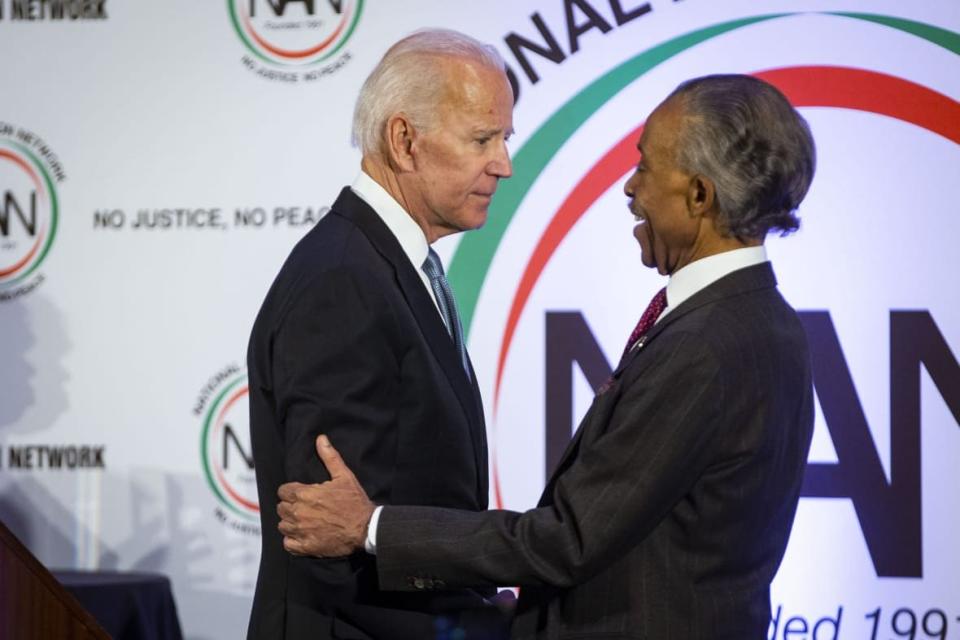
column 648, row 201
column 443, row 180
column 464, row 180
column 441, row 165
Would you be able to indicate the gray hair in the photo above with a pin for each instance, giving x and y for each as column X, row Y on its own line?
column 410, row 79
column 744, row 135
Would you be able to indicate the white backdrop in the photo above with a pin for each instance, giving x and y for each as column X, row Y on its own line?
column 159, row 160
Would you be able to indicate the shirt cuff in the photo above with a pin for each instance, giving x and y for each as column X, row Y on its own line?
column 370, row 544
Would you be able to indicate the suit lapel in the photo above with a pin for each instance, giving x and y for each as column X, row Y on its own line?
column 751, row 278
column 438, row 338
column 352, row 207
column 737, row 282
column 479, row 433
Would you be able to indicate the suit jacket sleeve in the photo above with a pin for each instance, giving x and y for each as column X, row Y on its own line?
column 335, row 368
column 644, row 443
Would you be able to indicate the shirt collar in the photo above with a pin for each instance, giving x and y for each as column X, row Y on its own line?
column 705, row 271
column 403, row 227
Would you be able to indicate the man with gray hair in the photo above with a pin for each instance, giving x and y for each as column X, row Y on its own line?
column 359, row 338
column 669, row 513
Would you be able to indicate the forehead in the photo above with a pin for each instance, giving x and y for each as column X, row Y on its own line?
column 475, row 89
column 662, row 129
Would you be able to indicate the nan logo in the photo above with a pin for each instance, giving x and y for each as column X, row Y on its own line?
column 29, row 208
column 223, row 409
column 295, row 40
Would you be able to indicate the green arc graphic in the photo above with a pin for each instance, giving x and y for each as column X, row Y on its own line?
column 946, row 39
column 472, row 259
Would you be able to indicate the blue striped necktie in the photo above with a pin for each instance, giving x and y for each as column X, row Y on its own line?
column 447, row 304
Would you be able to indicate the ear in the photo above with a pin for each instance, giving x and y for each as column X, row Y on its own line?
column 701, row 195
column 400, row 138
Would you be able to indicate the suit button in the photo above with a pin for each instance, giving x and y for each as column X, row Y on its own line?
column 418, row 583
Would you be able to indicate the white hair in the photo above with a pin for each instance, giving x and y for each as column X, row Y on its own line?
column 411, row 79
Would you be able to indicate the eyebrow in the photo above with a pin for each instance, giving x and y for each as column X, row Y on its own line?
column 493, row 132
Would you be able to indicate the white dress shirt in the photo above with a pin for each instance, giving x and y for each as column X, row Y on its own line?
column 705, row 271
column 407, row 232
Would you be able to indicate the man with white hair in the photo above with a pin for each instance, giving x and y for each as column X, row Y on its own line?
column 359, row 338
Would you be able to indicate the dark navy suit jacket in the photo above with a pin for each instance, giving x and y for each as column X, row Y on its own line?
column 349, row 343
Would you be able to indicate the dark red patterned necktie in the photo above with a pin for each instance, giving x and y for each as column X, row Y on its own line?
column 650, row 315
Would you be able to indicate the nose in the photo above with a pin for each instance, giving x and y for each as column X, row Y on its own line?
column 629, row 187
column 501, row 166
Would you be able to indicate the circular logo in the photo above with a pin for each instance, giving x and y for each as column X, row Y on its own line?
column 294, row 33
column 226, row 452
column 28, row 213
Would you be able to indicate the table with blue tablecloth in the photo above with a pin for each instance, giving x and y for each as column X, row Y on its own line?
column 130, row 606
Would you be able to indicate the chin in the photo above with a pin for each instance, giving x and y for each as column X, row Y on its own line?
column 475, row 220
column 650, row 262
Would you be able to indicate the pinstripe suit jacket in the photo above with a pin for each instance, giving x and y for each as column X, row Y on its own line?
column 669, row 513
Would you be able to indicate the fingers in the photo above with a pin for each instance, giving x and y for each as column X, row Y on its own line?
column 286, row 525
column 288, row 492
column 293, row 546
column 331, row 459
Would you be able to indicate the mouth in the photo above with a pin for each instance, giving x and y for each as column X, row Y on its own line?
column 643, row 234
column 637, row 215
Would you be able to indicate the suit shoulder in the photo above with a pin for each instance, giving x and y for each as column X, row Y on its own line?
column 328, row 244
column 333, row 257
column 745, row 316
column 746, row 327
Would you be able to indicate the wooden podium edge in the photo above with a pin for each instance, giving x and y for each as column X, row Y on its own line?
column 10, row 545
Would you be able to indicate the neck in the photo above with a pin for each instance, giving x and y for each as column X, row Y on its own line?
column 722, row 245
column 384, row 175
column 712, row 241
